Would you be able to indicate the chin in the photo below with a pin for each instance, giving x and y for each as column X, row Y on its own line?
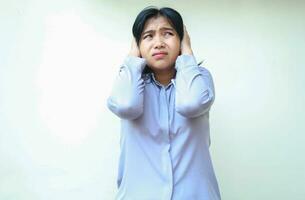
column 161, row 66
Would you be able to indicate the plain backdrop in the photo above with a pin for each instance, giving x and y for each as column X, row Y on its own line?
column 58, row 59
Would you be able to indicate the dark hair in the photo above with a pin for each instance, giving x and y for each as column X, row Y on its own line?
column 173, row 16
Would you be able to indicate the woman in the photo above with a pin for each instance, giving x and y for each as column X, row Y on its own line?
column 163, row 99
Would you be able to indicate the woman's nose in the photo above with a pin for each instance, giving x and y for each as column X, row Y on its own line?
column 159, row 42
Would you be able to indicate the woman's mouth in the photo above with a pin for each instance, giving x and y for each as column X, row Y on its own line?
column 159, row 55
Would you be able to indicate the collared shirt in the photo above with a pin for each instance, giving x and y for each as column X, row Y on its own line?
column 165, row 136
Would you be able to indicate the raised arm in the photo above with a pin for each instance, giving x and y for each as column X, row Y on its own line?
column 126, row 98
column 194, row 85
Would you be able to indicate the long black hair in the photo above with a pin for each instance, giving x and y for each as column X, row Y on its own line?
column 173, row 17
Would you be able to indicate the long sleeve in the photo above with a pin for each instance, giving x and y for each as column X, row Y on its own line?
column 194, row 87
column 126, row 98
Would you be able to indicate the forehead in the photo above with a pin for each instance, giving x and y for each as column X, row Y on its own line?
column 157, row 23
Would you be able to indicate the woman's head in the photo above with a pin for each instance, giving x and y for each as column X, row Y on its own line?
column 159, row 31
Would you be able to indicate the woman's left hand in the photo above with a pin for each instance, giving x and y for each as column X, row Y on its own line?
column 186, row 43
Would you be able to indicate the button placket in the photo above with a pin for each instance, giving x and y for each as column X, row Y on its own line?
column 164, row 122
column 164, row 115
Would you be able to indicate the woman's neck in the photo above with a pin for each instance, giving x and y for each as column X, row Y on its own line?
column 165, row 77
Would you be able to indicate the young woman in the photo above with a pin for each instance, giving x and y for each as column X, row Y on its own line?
column 163, row 99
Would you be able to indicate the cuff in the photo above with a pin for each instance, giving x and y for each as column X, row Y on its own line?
column 184, row 61
column 135, row 63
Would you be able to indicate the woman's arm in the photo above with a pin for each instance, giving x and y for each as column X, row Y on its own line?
column 126, row 98
column 194, row 87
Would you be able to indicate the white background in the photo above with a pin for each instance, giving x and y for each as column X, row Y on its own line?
column 58, row 140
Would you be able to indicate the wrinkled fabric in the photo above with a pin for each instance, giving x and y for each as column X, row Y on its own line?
column 165, row 135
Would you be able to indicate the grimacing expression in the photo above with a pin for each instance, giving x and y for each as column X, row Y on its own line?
column 159, row 44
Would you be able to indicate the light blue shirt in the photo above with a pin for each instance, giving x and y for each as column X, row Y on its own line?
column 165, row 134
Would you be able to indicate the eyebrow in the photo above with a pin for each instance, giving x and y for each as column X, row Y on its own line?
column 163, row 28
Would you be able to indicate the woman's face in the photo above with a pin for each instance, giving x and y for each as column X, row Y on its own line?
column 159, row 44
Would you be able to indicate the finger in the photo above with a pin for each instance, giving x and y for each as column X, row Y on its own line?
column 184, row 29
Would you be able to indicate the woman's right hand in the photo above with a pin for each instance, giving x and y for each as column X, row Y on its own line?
column 134, row 51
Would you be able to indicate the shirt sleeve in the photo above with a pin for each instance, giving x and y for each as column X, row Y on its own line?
column 126, row 98
column 194, row 87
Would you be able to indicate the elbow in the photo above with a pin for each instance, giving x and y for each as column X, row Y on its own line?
column 129, row 112
column 191, row 108
column 125, row 110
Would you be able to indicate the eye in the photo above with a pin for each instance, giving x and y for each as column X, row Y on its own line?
column 168, row 33
column 147, row 36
